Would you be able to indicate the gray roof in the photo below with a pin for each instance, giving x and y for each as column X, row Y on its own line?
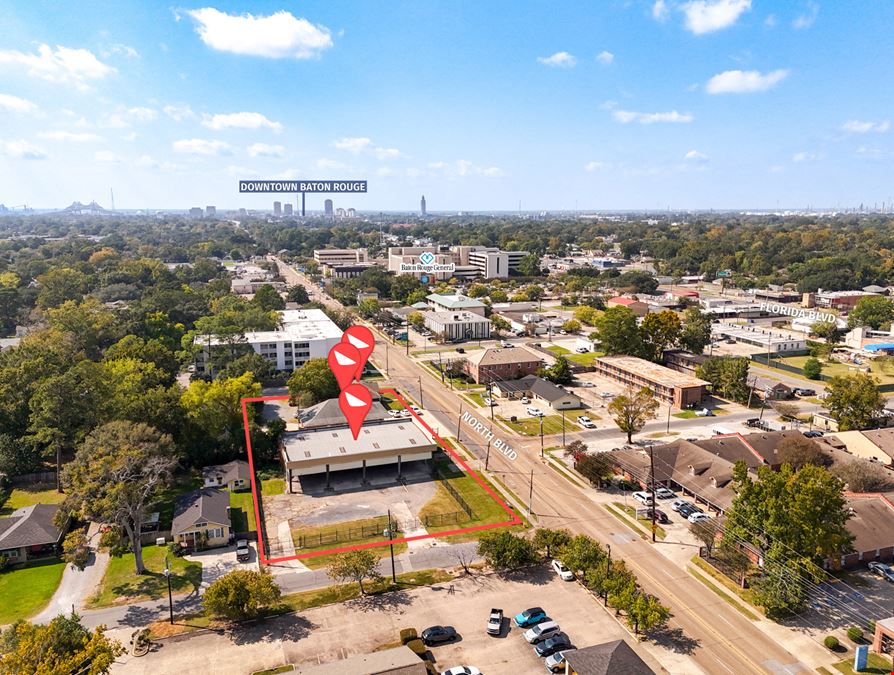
column 609, row 658
column 536, row 385
column 455, row 301
column 234, row 470
column 30, row 526
column 204, row 505
column 328, row 414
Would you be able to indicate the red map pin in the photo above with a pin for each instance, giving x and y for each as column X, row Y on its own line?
column 343, row 360
column 355, row 402
column 362, row 338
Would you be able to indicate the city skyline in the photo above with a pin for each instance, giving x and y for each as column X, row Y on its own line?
column 723, row 104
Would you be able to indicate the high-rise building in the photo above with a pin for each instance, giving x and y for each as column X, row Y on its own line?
column 422, row 205
column 327, row 207
column 277, row 208
column 210, row 211
column 352, row 213
column 195, row 212
column 287, row 209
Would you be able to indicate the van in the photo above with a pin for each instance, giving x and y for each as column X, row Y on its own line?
column 541, row 632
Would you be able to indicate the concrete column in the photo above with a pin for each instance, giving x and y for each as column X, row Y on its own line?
column 289, row 473
column 398, row 468
column 364, row 481
column 328, row 486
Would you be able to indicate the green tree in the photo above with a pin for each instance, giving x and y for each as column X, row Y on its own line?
column 18, row 455
column 618, row 332
column 213, row 411
column 61, row 647
column 416, row 320
column 780, row 589
column 498, row 295
column 812, row 368
column 706, row 532
column 571, row 326
column 598, row 468
column 632, row 410
column 268, row 299
column 60, row 285
column 91, row 326
column 297, row 293
column 620, row 586
column 854, row 401
column 582, row 553
column 696, row 332
column 241, row 594
column 498, row 323
column 859, row 475
column 403, row 286
column 560, row 372
column 477, row 291
column 152, row 351
column 635, row 281
column 368, row 308
column 359, row 566
column 504, row 550
column 660, row 331
column 250, row 362
column 549, row 541
column 75, row 550
column 116, row 474
column 828, row 330
column 529, row 266
column 587, row 315
column 874, row 311
column 728, row 376
column 313, row 382
column 647, row 614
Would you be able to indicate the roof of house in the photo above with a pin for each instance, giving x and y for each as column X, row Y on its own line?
column 203, row 505
column 328, row 414
column 536, row 385
column 494, row 356
column 455, row 301
column 623, row 301
column 237, row 469
column 30, row 526
column 609, row 658
column 871, row 521
column 753, row 449
column 777, row 386
column 883, row 439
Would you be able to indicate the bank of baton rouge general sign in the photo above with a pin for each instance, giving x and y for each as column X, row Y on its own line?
column 318, row 186
column 428, row 265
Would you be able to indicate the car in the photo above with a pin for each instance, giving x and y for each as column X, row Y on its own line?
column 813, row 434
column 530, row 617
column 416, row 409
column 405, row 413
column 556, row 662
column 460, row 350
column 677, row 504
column 556, row 643
column 660, row 516
column 462, row 670
column 394, row 413
column 534, row 412
column 243, row 550
column 586, row 422
column 505, row 344
column 563, row 572
column 688, row 509
column 525, row 400
column 541, row 632
column 886, row 572
column 698, row 517
column 581, row 350
column 563, row 332
column 435, row 634
column 664, row 493
column 643, row 497
column 704, row 412
column 495, row 621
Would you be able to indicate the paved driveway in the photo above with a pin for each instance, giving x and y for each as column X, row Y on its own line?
column 217, row 562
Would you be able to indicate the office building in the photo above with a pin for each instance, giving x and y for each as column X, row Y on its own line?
column 277, row 209
column 458, row 325
column 840, row 300
column 455, row 303
column 671, row 386
column 210, row 211
column 422, row 206
column 339, row 256
column 327, row 207
column 304, row 334
column 767, row 341
column 493, row 365
column 287, row 209
column 410, row 255
column 196, row 212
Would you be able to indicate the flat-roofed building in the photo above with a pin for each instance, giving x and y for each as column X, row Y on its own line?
column 460, row 325
column 670, row 386
column 336, row 256
column 493, row 365
column 454, row 303
column 774, row 342
column 842, row 300
column 683, row 361
column 347, row 270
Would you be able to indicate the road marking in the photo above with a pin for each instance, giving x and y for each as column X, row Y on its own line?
column 724, row 665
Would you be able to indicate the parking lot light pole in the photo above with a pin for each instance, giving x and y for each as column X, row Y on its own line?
column 167, row 574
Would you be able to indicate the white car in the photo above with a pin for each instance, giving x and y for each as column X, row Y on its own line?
column 677, row 504
column 664, row 493
column 416, row 409
column 698, row 517
column 581, row 350
column 586, row 422
column 506, row 345
column 394, row 413
column 541, row 632
column 534, row 412
column 643, row 497
column 462, row 670
column 704, row 412
column 564, row 573
column 405, row 413
column 525, row 400
column 489, row 401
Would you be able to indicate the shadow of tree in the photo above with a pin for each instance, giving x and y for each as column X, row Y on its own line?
column 675, row 640
column 381, row 602
column 290, row 627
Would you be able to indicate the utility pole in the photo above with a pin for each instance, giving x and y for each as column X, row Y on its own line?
column 387, row 374
column 421, row 404
column 531, row 494
column 669, row 406
column 391, row 545
column 441, row 367
column 652, row 486
column 541, row 437
column 459, row 421
column 490, row 395
column 608, row 571
column 563, row 429
column 487, row 456
column 167, row 574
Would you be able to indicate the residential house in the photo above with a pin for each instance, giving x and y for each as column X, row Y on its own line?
column 541, row 390
column 876, row 445
column 202, row 519
column 871, row 523
column 29, row 533
column 637, row 307
column 493, row 365
column 610, row 658
column 777, row 392
column 234, row 476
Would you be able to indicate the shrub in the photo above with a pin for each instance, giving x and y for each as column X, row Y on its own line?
column 831, row 642
column 408, row 634
column 418, row 647
column 4, row 563
column 871, row 626
column 854, row 634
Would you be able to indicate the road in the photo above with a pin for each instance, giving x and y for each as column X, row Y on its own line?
column 723, row 639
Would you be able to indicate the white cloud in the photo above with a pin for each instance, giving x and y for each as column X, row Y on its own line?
column 147, row 162
column 326, row 164
column 178, row 113
column 805, row 157
column 106, row 156
column 68, row 136
column 76, row 67
column 120, row 49
column 461, row 167
column 744, row 81
column 860, row 127
column 437, row 166
column 806, row 19
column 384, row 172
column 201, row 146
column 605, row 57
column 240, row 120
column 10, row 103
column 354, row 145
column 696, row 156
column 608, row 105
column 387, row 153
column 558, row 60
column 660, row 11
column 770, row 21
column 595, row 166
column 21, row 150
column 278, row 36
column 627, row 116
column 707, row 16
column 491, row 171
column 869, row 151
column 265, row 150
column 124, row 117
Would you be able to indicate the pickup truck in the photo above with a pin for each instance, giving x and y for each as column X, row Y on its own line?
column 495, row 622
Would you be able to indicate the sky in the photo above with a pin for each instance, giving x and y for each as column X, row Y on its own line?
column 636, row 104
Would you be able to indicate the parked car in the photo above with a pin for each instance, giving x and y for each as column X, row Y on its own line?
column 886, row 572
column 801, row 391
column 394, row 413
column 688, row 509
column 587, row 384
column 541, row 632
column 698, row 517
column 505, row 344
column 664, row 493
column 243, row 550
column 435, row 634
column 660, row 515
column 556, row 643
column 677, row 504
column 530, row 617
column 643, row 497
column 813, row 434
column 495, row 622
column 534, row 412
column 581, row 350
column 416, row 409
column 462, row 670
column 405, row 413
column 563, row 572
column 556, row 662
column 586, row 422
column 460, row 350
column 704, row 412
column 525, row 400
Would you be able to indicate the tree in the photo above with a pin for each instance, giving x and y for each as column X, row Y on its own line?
column 647, row 614
column 416, row 320
column 213, row 411
column 548, row 541
column 660, row 331
column 241, row 594
column 812, row 368
column 706, row 532
column 152, row 351
column 560, row 372
column 498, row 323
column 477, row 291
column 117, row 472
column 368, row 308
column 779, row 589
column 313, row 382
column 854, row 401
column 728, row 376
column 498, row 295
column 18, row 456
column 598, row 468
column 582, row 553
column 632, row 410
column 297, row 293
column 873, row 311
column 618, row 332
column 858, row 475
column 635, row 281
column 587, row 315
column 506, row 551
column 355, row 566
column 250, row 362
column 403, row 286
column 75, row 549
column 61, row 647
column 798, row 450
column 828, row 330
column 268, row 299
column 696, row 332
column 60, row 285
column 571, row 326
column 620, row 586
column 576, row 449
column 529, row 266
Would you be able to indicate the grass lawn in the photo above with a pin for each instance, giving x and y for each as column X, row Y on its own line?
column 585, row 359
column 717, row 591
column 552, row 424
column 121, row 585
column 685, row 414
column 572, row 415
column 27, row 590
column 327, row 532
column 874, row 664
column 646, row 523
column 166, row 498
column 458, row 383
column 833, row 368
column 39, row 493
column 476, row 397
column 557, row 350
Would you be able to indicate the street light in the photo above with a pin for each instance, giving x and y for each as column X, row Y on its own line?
column 167, row 573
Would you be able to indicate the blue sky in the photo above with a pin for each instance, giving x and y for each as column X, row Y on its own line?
column 478, row 105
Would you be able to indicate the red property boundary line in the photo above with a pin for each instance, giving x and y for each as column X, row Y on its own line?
column 262, row 553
